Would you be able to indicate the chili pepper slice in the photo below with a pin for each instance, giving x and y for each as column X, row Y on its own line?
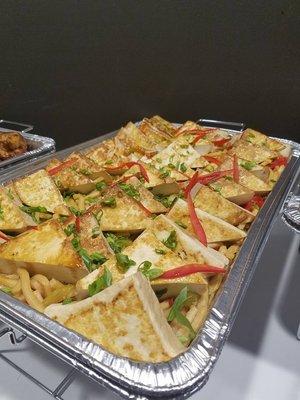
column 196, row 224
column 189, row 269
column 221, row 142
column 255, row 201
column 191, row 183
column 130, row 164
column 77, row 224
column 212, row 160
column 60, row 167
column 278, row 162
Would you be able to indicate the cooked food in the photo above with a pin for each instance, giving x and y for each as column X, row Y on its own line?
column 11, row 144
column 129, row 243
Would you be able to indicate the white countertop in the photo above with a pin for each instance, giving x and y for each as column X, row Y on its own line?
column 260, row 361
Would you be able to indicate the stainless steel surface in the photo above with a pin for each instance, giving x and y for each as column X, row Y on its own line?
column 186, row 373
column 37, row 145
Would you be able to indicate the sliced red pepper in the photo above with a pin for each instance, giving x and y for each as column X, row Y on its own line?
column 77, row 224
column 236, row 171
column 60, row 167
column 278, row 162
column 255, row 201
column 191, row 183
column 189, row 269
column 196, row 224
column 130, row 164
column 214, row 176
column 148, row 212
column 212, row 160
column 199, row 136
column 4, row 237
column 221, row 142
column 194, row 131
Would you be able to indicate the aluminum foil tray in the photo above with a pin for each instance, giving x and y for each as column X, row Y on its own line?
column 37, row 145
column 188, row 372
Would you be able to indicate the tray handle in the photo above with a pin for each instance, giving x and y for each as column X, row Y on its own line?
column 11, row 125
column 235, row 126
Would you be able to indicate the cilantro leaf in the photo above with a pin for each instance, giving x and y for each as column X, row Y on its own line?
column 101, row 185
column 104, row 281
column 117, row 243
column 68, row 300
column 109, row 202
column 171, row 241
column 124, row 262
column 130, row 190
column 70, row 229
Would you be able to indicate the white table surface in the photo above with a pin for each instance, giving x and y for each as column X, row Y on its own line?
column 260, row 361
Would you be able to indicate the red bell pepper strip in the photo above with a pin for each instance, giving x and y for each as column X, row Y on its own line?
column 77, row 224
column 236, row 172
column 196, row 224
column 189, row 269
column 214, row 176
column 194, row 131
column 199, row 136
column 191, row 183
column 60, row 167
column 130, row 164
column 255, row 201
column 4, row 237
column 221, row 142
column 278, row 162
column 212, row 160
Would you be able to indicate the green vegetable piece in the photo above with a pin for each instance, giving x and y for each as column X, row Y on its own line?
column 248, row 165
column 109, row 202
column 32, row 210
column 183, row 167
column 76, row 212
column 130, row 190
column 160, row 251
column 148, row 272
column 68, row 300
column 70, row 229
column 101, row 185
column 181, row 224
column 6, row 290
column 124, row 262
column 104, row 281
column 171, row 241
column 117, row 243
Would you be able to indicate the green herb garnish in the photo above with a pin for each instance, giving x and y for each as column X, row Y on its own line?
column 101, row 185
column 160, row 251
column 76, row 212
column 91, row 261
column 32, row 210
column 124, row 262
column 248, row 165
column 171, row 241
column 1, row 212
column 10, row 195
column 85, row 171
column 68, row 300
column 70, row 229
column 176, row 311
column 181, row 224
column 6, row 290
column 109, row 202
column 167, row 201
column 117, row 243
column 148, row 272
column 104, row 281
column 163, row 172
column 182, row 167
column 130, row 190
column 90, row 200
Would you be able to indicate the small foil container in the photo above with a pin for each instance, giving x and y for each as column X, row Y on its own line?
column 37, row 146
column 188, row 372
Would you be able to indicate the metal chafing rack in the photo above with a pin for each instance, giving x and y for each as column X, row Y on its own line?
column 188, row 372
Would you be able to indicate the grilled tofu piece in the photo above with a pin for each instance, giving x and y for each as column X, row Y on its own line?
column 134, row 140
column 12, row 218
column 159, row 183
column 122, row 213
column 251, row 152
column 38, row 189
column 157, row 136
column 89, row 168
column 125, row 319
column 262, row 140
column 162, row 125
column 213, row 203
column 45, row 250
column 232, row 191
column 134, row 188
column 216, row 229
column 247, row 179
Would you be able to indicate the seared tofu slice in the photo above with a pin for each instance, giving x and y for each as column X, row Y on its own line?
column 87, row 167
column 216, row 229
column 160, row 138
column 232, row 191
column 104, row 153
column 125, row 319
column 247, row 179
column 12, row 219
column 38, row 189
column 158, row 182
column 260, row 139
column 163, row 125
column 135, row 141
column 122, row 213
column 134, row 188
column 251, row 152
column 213, row 203
column 45, row 250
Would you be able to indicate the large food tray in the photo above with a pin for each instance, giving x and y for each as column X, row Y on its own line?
column 188, row 372
column 37, row 145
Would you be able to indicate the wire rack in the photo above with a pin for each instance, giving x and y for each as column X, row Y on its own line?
column 15, row 340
